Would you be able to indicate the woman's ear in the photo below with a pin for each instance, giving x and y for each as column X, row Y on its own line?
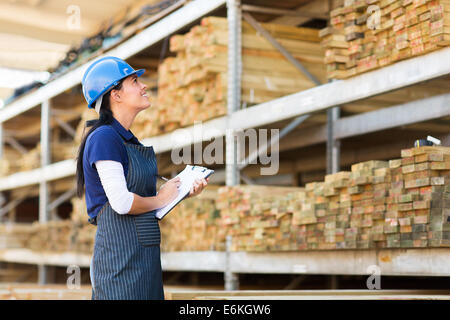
column 115, row 95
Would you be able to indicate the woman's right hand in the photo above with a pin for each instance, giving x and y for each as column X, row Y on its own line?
column 168, row 191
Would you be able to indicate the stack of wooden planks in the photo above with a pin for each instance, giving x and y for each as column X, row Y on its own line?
column 192, row 86
column 421, row 198
column 50, row 236
column 8, row 162
column 259, row 218
column 81, row 130
column 367, row 34
column 192, row 225
column 74, row 234
column 82, row 233
column 14, row 161
column 59, row 151
column 378, row 204
column 148, row 122
column 400, row 203
column 15, row 235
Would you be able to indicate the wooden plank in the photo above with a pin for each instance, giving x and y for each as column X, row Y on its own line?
column 28, row 291
column 285, row 294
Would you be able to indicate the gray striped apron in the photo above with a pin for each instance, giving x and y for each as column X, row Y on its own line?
column 126, row 263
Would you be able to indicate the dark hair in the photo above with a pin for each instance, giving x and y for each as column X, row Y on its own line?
column 106, row 117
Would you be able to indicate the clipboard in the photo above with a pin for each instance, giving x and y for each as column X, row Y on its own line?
column 187, row 178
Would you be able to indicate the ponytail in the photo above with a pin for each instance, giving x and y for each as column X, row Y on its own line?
column 106, row 117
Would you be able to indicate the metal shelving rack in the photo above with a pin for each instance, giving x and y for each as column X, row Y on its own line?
column 430, row 261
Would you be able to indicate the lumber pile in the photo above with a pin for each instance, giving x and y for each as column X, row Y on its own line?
column 59, row 151
column 421, row 198
column 378, row 204
column 81, row 130
column 82, row 233
column 192, row 86
column 74, row 234
column 15, row 235
column 50, row 236
column 192, row 226
column 400, row 203
column 258, row 217
column 148, row 123
column 8, row 162
column 367, row 34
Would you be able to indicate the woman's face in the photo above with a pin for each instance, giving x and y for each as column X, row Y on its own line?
column 133, row 93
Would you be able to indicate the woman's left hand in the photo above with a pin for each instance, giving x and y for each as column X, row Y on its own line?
column 198, row 187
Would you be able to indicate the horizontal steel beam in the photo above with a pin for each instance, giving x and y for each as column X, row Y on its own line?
column 412, row 112
column 412, row 262
column 51, row 172
column 388, row 118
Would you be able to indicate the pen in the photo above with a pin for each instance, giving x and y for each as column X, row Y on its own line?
column 163, row 178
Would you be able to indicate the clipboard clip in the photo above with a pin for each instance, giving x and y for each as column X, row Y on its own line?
column 195, row 167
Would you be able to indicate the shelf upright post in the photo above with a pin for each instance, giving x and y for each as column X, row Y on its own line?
column 234, row 88
column 2, row 145
column 231, row 278
column 1, row 140
column 333, row 144
column 43, row 186
column 232, row 176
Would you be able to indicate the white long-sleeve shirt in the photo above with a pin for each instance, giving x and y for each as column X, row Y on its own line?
column 113, row 181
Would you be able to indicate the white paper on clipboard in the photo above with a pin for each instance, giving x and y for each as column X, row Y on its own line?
column 187, row 178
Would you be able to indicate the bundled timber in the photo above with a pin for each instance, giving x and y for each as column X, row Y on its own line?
column 81, row 130
column 59, row 151
column 8, row 162
column 258, row 217
column 82, row 233
column 378, row 204
column 51, row 236
column 192, row 225
column 400, row 203
column 148, row 122
column 357, row 41
column 192, row 86
column 74, row 234
column 15, row 235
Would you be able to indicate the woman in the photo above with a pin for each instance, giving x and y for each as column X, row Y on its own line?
column 119, row 176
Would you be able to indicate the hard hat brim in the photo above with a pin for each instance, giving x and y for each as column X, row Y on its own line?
column 138, row 72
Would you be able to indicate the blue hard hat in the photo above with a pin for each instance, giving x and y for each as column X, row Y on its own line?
column 104, row 74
